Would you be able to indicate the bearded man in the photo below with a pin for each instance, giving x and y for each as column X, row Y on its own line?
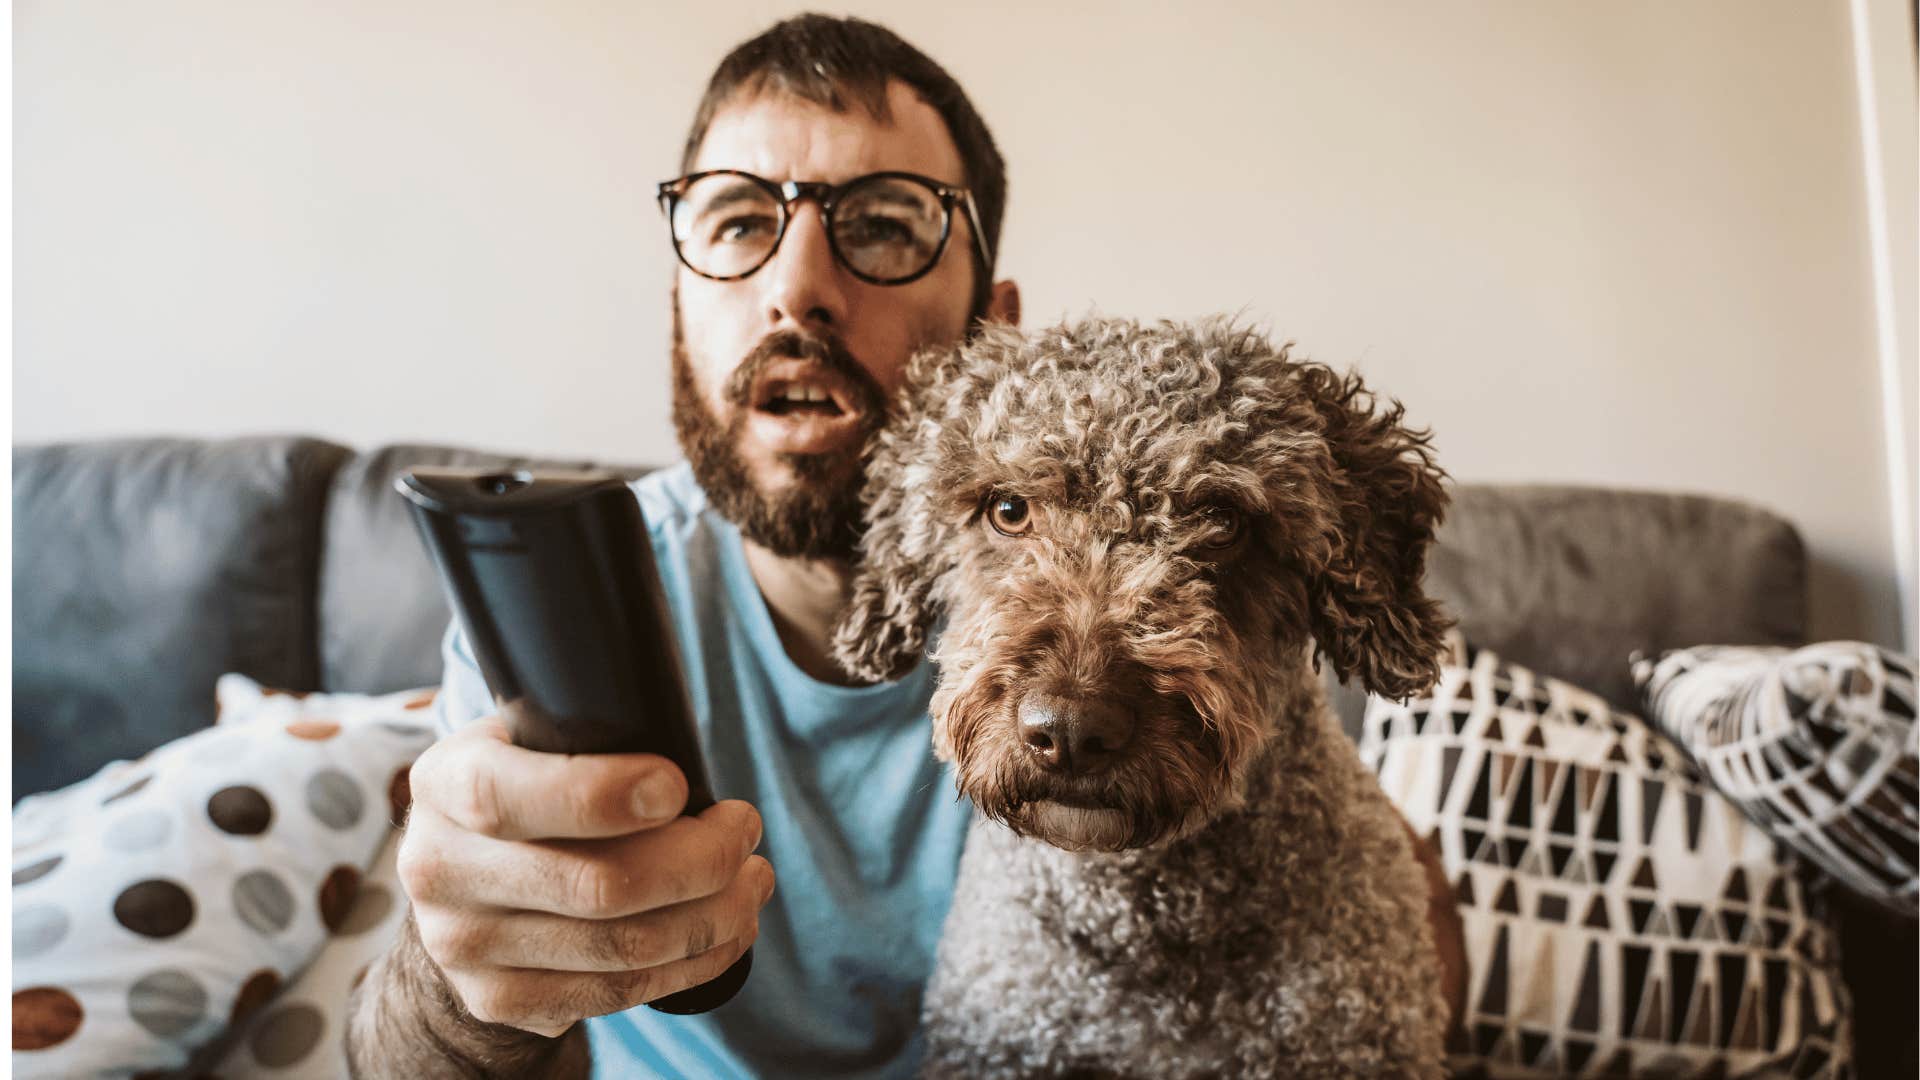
column 838, row 210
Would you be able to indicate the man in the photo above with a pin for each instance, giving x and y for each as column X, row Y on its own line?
column 838, row 211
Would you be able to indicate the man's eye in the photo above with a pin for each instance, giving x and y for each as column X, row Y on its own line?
column 735, row 230
column 877, row 229
column 1010, row 515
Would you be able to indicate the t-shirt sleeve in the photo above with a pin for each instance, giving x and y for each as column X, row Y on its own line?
column 463, row 696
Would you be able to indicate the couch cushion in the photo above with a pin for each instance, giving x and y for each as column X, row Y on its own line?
column 142, row 570
column 382, row 613
column 1569, row 580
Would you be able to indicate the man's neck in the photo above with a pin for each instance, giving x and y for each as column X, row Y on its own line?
column 805, row 598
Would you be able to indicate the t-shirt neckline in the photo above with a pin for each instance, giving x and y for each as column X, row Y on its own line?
column 751, row 606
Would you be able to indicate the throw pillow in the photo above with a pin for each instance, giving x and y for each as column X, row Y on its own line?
column 301, row 1035
column 1620, row 917
column 161, row 900
column 1817, row 745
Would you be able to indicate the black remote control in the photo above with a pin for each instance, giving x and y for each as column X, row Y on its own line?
column 554, row 582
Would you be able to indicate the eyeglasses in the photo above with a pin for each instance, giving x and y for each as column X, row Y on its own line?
column 887, row 228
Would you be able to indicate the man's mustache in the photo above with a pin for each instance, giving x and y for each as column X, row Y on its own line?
column 825, row 350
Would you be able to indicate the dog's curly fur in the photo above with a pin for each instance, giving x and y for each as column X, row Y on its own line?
column 1205, row 518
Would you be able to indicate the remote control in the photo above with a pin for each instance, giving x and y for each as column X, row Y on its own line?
column 554, row 583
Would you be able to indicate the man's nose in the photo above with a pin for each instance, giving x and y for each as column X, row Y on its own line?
column 804, row 282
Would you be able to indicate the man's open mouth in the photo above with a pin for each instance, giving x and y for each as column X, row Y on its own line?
column 799, row 398
column 802, row 407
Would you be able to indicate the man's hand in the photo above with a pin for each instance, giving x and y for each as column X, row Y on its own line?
column 547, row 888
column 550, row 887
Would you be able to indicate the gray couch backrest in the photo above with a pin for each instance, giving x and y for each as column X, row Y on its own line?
column 382, row 613
column 143, row 569
column 1570, row 580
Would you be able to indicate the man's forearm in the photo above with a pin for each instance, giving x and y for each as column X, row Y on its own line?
column 403, row 1020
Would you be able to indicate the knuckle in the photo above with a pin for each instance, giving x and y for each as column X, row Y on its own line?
column 630, row 943
column 514, row 1006
column 457, row 942
column 421, row 868
column 428, row 769
column 715, row 961
column 719, row 866
column 486, row 1001
column 595, row 889
column 759, row 874
column 475, row 804
column 750, row 830
column 702, row 935
column 631, row 988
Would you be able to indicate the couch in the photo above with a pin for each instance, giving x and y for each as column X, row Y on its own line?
column 145, row 568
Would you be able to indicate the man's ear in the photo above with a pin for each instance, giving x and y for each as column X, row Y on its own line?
column 1003, row 303
column 1370, row 614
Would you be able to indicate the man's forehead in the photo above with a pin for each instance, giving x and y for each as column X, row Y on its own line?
column 782, row 137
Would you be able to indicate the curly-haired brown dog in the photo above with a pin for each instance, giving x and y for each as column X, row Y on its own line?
column 1143, row 539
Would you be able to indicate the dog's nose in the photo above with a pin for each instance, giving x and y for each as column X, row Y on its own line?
column 1074, row 736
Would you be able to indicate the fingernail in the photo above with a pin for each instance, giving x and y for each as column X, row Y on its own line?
column 653, row 795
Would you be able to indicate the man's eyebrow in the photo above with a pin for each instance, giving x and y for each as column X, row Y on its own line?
column 894, row 198
column 738, row 192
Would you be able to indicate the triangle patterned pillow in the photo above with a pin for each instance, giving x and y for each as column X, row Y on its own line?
column 1621, row 918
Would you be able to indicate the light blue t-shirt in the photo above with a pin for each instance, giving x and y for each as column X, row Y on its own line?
column 862, row 825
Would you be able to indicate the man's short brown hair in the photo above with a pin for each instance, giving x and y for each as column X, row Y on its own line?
column 839, row 62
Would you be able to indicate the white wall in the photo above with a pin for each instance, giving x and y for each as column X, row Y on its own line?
column 1621, row 243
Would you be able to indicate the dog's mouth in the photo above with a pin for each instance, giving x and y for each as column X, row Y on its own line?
column 1081, row 802
column 1081, row 816
column 1076, row 827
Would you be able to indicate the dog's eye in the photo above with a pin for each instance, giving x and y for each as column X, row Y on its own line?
column 1224, row 526
column 1009, row 515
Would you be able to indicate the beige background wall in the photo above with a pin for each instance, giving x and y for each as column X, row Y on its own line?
column 1621, row 243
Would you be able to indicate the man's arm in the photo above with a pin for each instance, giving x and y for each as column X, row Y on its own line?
column 404, row 1020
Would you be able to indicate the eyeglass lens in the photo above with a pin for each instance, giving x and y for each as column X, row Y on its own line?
column 886, row 228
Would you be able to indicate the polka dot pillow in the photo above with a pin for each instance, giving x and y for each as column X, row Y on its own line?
column 159, row 902
column 301, row 1035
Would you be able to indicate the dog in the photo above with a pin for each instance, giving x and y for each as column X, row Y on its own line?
column 1135, row 545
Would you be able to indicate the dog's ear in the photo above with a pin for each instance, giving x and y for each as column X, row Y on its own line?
column 1370, row 615
column 907, row 544
column 883, row 632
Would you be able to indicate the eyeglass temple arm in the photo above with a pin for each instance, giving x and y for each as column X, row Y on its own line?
column 979, row 236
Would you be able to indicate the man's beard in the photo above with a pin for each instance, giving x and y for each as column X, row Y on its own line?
column 817, row 515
